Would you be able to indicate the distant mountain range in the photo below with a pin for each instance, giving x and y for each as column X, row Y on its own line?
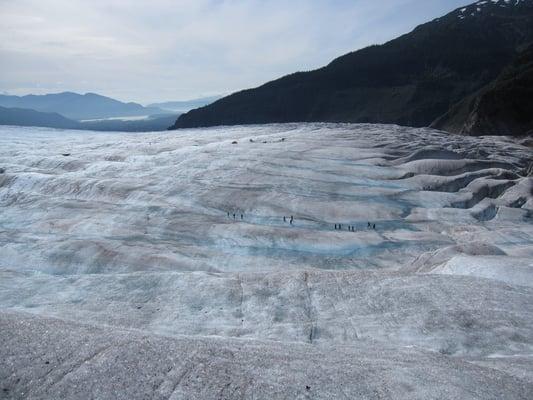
column 25, row 117
column 184, row 106
column 77, row 106
column 443, row 73
column 87, row 112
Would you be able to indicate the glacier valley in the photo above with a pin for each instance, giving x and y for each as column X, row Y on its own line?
column 270, row 261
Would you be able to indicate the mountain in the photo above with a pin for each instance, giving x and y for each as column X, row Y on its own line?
column 505, row 106
column 77, row 106
column 184, row 106
column 151, row 124
column 23, row 117
column 411, row 80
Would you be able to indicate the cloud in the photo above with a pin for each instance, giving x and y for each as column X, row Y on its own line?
column 163, row 49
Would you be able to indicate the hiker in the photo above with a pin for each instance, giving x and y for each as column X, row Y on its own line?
column 284, row 219
column 292, row 219
column 368, row 226
column 374, row 226
column 242, row 216
column 233, row 215
column 335, row 226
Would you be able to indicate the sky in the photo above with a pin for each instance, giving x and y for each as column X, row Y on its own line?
column 159, row 50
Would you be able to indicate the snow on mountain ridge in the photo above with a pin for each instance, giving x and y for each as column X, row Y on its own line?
column 478, row 7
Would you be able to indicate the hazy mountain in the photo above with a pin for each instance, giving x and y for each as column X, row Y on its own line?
column 411, row 80
column 24, row 117
column 77, row 106
column 153, row 123
column 505, row 106
column 187, row 105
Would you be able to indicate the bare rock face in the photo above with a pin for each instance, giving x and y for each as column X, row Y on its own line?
column 504, row 107
column 308, row 261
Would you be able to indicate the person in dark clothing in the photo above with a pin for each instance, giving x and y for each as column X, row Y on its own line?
column 368, row 225
column 292, row 219
column 242, row 216
column 233, row 215
column 284, row 219
column 374, row 226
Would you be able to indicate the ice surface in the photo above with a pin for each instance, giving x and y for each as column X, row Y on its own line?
column 129, row 234
column 78, row 362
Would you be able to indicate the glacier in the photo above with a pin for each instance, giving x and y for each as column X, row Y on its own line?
column 164, row 265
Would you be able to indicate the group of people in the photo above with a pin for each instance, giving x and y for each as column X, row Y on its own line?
column 235, row 216
column 338, row 227
column 290, row 221
column 352, row 228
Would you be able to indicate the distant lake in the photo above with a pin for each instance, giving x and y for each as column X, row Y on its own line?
column 135, row 118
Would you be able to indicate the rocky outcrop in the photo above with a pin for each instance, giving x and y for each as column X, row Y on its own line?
column 503, row 107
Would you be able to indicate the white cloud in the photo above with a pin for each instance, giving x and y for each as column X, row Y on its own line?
column 163, row 49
